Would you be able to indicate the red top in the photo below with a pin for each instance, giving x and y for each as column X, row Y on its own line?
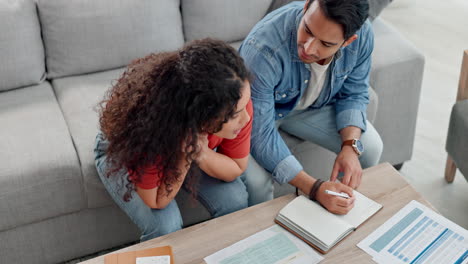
column 236, row 148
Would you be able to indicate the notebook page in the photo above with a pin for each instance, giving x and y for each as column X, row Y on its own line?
column 314, row 219
column 363, row 209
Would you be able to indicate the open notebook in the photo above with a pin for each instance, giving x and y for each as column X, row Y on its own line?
column 319, row 228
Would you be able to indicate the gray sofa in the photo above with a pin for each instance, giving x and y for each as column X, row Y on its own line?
column 57, row 59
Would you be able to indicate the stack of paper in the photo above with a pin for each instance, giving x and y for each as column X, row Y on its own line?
column 416, row 234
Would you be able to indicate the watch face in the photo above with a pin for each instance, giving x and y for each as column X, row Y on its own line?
column 359, row 146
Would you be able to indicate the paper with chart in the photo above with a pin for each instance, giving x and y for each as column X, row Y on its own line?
column 154, row 260
column 272, row 245
column 416, row 234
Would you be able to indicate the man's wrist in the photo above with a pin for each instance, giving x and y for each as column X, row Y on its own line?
column 355, row 145
column 303, row 181
column 314, row 190
column 349, row 149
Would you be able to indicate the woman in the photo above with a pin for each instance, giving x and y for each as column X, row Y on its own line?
column 174, row 119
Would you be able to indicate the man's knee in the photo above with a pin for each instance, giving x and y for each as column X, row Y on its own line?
column 373, row 148
column 259, row 183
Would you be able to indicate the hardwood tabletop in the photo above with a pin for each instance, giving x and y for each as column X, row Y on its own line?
column 381, row 183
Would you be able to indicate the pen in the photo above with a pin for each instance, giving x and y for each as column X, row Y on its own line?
column 342, row 194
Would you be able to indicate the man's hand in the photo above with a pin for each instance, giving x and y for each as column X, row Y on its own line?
column 347, row 162
column 332, row 203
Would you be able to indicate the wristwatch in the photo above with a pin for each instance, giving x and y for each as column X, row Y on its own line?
column 356, row 144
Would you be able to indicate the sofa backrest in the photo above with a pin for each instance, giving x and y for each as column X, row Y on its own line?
column 83, row 36
column 21, row 49
column 228, row 20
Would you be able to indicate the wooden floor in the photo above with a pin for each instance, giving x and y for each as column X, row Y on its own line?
column 440, row 30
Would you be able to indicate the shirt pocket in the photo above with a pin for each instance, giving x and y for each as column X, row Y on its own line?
column 286, row 95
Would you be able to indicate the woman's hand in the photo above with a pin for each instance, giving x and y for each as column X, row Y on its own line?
column 332, row 203
column 202, row 147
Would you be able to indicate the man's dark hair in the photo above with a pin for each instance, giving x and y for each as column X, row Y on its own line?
column 350, row 14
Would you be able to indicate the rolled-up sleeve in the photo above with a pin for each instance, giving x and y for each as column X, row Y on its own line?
column 351, row 117
column 287, row 169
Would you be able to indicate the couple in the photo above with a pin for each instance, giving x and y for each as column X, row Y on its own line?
column 190, row 118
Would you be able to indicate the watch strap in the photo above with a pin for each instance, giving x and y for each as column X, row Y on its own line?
column 348, row 142
column 352, row 143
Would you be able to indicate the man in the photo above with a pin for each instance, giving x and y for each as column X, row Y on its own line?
column 311, row 64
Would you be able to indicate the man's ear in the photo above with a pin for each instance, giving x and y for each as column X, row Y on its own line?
column 350, row 40
column 305, row 6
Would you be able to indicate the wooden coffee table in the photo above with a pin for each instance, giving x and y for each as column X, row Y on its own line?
column 381, row 183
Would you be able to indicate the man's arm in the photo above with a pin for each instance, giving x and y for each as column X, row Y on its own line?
column 347, row 160
column 351, row 107
column 267, row 146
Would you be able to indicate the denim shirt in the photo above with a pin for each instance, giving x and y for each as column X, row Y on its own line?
column 280, row 78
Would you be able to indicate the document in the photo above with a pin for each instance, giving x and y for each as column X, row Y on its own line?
column 416, row 234
column 272, row 245
column 154, row 260
column 158, row 255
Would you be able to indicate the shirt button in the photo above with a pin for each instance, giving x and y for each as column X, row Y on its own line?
column 280, row 115
column 306, row 81
column 284, row 95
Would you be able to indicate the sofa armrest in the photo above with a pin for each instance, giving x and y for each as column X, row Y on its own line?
column 396, row 76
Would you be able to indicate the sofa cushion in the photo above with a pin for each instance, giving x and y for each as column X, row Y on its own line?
column 21, row 49
column 59, row 239
column 78, row 97
column 222, row 19
column 457, row 139
column 40, row 175
column 376, row 6
column 236, row 44
column 85, row 36
column 396, row 75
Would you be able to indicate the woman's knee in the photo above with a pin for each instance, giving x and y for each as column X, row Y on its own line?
column 231, row 200
column 161, row 229
column 159, row 222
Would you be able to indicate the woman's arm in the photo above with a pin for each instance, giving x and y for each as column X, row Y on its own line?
column 220, row 166
column 158, row 198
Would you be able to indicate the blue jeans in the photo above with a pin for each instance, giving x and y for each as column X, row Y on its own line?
column 217, row 196
column 317, row 126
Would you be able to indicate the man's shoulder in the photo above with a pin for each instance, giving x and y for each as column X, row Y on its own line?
column 366, row 28
column 365, row 39
column 274, row 30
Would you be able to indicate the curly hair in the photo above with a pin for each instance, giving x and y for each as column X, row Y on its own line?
column 155, row 112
